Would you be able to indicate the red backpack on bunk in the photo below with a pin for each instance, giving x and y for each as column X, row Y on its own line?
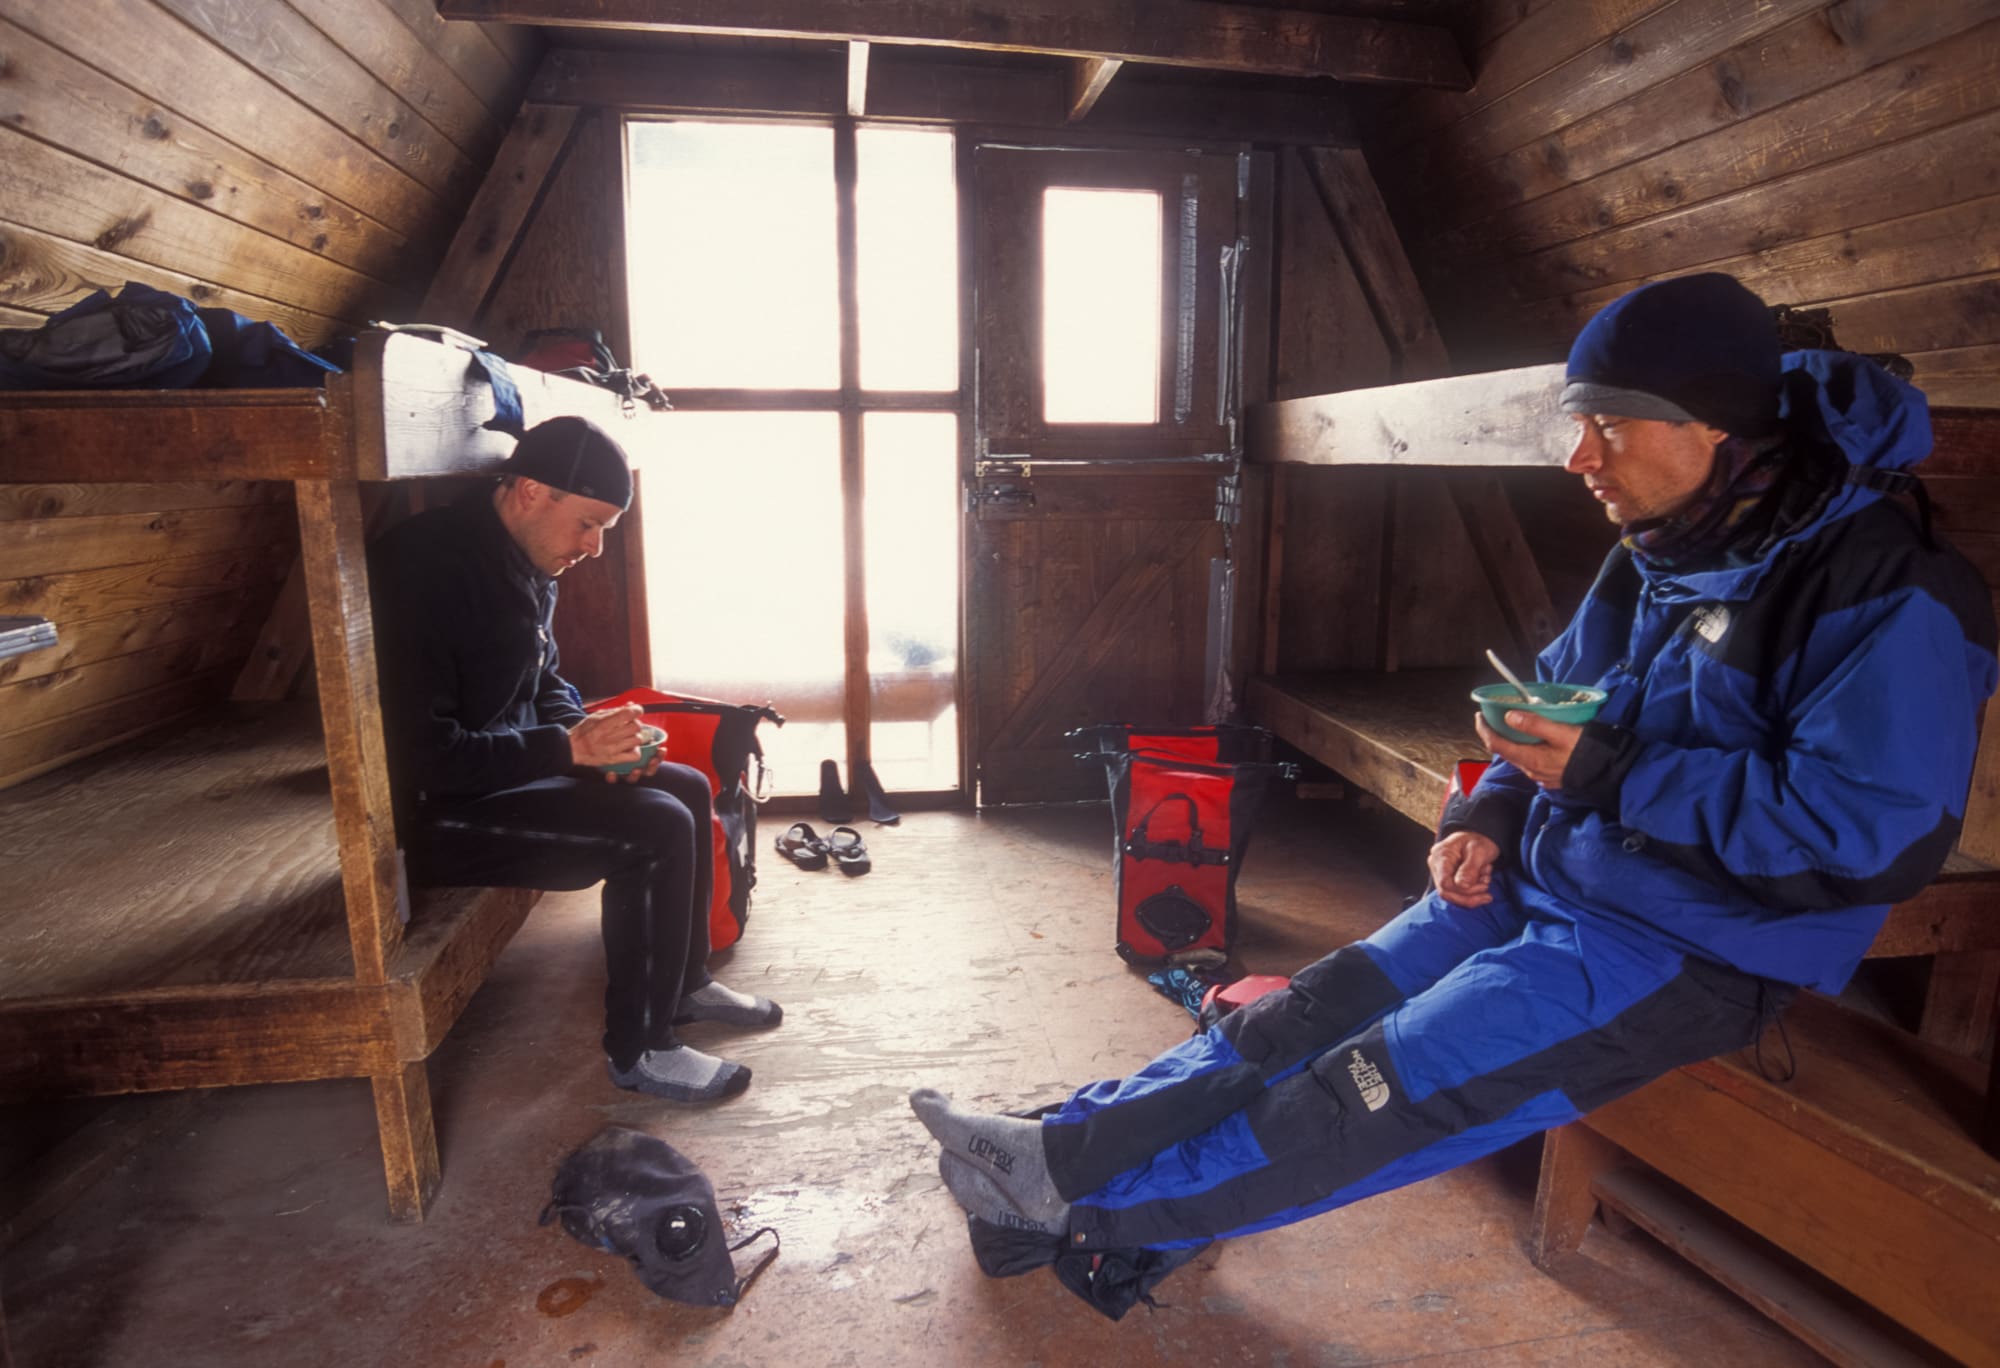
column 720, row 740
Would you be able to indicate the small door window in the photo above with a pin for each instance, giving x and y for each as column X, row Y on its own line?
column 1101, row 281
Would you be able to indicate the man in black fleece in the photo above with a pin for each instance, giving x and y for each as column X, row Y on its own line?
column 490, row 748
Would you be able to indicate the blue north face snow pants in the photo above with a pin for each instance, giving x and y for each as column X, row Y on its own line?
column 1447, row 1035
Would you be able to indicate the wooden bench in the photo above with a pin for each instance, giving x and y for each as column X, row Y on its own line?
column 1862, row 1167
column 222, row 906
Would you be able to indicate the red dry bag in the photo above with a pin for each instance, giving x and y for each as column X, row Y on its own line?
column 720, row 740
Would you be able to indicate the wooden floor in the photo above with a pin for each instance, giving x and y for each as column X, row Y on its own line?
column 248, row 1228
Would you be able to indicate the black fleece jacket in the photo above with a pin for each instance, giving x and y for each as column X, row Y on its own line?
column 471, row 699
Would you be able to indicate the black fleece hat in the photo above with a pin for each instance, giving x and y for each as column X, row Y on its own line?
column 1700, row 347
column 576, row 455
column 634, row 1195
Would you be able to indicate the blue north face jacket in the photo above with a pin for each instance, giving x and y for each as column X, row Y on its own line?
column 1787, row 745
column 1785, row 750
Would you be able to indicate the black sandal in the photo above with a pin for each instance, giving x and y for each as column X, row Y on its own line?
column 844, row 844
column 802, row 846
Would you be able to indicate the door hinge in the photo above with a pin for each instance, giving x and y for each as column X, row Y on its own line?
column 1229, row 498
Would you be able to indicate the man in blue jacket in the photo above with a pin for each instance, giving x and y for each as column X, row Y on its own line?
column 491, row 753
column 1794, row 668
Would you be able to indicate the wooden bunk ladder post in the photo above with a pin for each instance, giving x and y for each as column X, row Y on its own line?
column 331, row 549
column 330, row 541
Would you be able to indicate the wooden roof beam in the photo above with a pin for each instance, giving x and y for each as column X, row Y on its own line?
column 905, row 86
column 1191, row 33
column 1087, row 82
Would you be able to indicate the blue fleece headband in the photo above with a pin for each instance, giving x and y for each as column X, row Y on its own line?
column 1697, row 348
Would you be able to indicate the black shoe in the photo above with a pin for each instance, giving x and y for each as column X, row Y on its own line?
column 879, row 810
column 833, row 804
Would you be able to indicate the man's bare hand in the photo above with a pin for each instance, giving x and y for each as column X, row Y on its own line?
column 1462, row 868
column 1544, row 763
column 610, row 737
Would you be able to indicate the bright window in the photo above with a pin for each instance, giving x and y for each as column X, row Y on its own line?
column 907, row 231
column 731, row 256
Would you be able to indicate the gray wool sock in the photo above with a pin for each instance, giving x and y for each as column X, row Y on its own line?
column 974, row 1191
column 1007, row 1149
column 681, row 1075
column 716, row 1001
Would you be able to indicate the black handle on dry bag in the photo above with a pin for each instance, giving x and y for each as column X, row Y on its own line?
column 1141, row 845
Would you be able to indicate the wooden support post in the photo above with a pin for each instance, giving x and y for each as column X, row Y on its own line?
column 330, row 543
column 1386, row 606
column 1572, row 1158
column 1361, row 220
column 285, row 643
column 524, row 165
column 1502, row 549
column 1088, row 79
column 1980, row 836
column 857, row 79
column 409, row 1140
column 1960, row 1003
column 1274, row 565
column 852, row 483
column 282, row 646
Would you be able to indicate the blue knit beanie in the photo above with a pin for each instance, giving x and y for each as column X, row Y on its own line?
column 1698, row 348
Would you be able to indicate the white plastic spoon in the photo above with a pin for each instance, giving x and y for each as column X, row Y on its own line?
column 1508, row 675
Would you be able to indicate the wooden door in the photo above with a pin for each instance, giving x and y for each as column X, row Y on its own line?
column 1091, row 546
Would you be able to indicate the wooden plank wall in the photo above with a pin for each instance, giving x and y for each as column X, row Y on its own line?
column 1836, row 155
column 303, row 162
column 1348, row 535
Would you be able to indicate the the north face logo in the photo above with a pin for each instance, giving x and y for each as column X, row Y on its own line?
column 1374, row 1088
column 982, row 1148
column 1711, row 622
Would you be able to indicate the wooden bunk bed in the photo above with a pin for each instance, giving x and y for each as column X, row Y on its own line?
column 1878, row 1166
column 220, row 904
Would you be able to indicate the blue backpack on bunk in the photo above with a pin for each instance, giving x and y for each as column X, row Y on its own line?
column 150, row 339
column 142, row 339
column 251, row 354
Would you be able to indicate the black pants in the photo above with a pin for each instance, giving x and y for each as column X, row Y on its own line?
column 649, row 843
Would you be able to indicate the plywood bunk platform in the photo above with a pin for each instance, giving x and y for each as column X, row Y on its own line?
column 240, row 969
column 1395, row 735
column 219, row 904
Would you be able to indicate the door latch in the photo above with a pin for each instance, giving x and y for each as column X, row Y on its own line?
column 998, row 496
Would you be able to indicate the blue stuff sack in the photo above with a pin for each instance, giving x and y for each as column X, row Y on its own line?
column 250, row 354
column 143, row 339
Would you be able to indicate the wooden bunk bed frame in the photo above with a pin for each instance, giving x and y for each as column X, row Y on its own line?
column 1878, row 1166
column 222, row 905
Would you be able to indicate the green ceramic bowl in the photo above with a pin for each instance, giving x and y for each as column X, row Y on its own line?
column 1571, row 703
column 649, row 746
